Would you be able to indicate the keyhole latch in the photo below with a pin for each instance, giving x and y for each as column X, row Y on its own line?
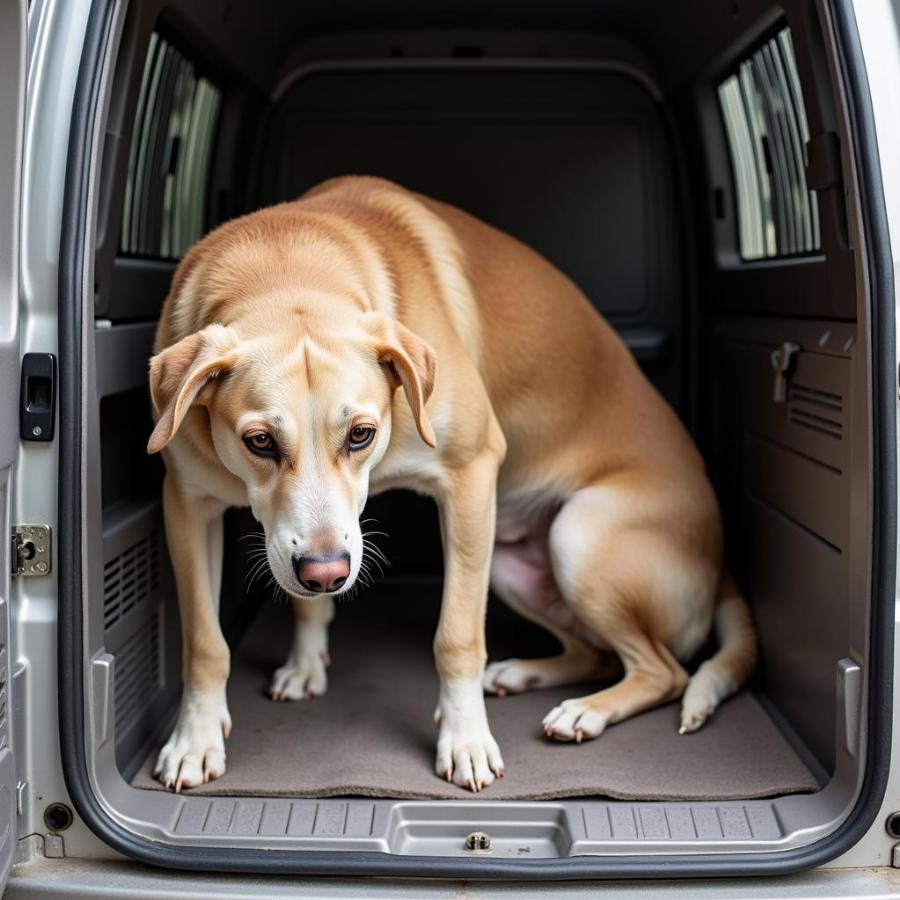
column 478, row 842
column 782, row 359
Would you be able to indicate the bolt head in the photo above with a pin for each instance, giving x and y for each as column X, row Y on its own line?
column 37, row 431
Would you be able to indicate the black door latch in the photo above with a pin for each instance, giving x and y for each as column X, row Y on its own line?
column 37, row 397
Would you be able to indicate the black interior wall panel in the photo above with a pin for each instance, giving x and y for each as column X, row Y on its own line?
column 126, row 467
column 576, row 164
column 781, row 470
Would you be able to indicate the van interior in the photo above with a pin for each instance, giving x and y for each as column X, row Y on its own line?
column 683, row 163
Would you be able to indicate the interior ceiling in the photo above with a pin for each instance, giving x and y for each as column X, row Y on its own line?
column 680, row 37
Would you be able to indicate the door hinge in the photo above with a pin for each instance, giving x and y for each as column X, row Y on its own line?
column 30, row 550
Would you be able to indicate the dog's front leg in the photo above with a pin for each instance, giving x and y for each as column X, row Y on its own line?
column 467, row 753
column 195, row 752
column 303, row 674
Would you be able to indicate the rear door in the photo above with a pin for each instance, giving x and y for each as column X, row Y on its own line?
column 12, row 114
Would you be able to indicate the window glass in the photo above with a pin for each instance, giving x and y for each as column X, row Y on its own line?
column 171, row 149
column 765, row 124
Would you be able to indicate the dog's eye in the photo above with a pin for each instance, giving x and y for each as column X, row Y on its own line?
column 360, row 437
column 261, row 443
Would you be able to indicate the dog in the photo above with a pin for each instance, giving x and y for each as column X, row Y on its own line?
column 365, row 337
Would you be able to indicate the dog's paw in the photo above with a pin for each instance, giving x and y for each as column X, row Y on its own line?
column 511, row 676
column 300, row 678
column 692, row 720
column 195, row 752
column 467, row 753
column 699, row 702
column 574, row 720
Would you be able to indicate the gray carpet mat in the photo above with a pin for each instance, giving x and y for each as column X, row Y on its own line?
column 371, row 734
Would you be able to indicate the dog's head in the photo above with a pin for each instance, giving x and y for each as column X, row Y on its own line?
column 301, row 419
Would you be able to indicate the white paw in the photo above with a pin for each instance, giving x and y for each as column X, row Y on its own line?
column 704, row 693
column 195, row 752
column 467, row 753
column 511, row 676
column 698, row 704
column 303, row 674
column 691, row 720
column 300, row 679
column 574, row 720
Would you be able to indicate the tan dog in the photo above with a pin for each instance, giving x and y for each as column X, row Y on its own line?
column 560, row 474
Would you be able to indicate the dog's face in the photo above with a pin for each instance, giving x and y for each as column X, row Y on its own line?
column 301, row 419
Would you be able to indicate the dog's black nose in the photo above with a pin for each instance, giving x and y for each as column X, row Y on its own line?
column 322, row 574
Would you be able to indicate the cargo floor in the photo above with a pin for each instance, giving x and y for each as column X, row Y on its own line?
column 372, row 734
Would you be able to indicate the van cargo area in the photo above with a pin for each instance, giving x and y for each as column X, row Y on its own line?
column 683, row 164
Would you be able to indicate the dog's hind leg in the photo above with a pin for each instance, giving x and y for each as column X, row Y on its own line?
column 647, row 591
column 652, row 676
column 303, row 674
column 522, row 577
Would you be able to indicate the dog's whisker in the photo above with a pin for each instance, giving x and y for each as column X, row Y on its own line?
column 252, row 580
column 280, row 595
column 378, row 559
column 378, row 556
column 371, row 563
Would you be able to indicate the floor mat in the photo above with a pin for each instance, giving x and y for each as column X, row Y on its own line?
column 371, row 734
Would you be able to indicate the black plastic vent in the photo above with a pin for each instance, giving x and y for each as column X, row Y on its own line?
column 130, row 577
column 818, row 410
column 138, row 674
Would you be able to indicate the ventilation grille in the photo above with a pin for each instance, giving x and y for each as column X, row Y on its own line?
column 138, row 674
column 765, row 124
column 171, row 148
column 817, row 410
column 129, row 578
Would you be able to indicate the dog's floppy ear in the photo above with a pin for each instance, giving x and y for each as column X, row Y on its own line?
column 179, row 373
column 411, row 364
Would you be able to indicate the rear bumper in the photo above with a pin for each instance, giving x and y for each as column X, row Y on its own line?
column 73, row 878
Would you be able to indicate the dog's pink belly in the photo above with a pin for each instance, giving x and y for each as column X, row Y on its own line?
column 522, row 572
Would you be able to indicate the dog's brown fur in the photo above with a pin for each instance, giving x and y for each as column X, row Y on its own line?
column 556, row 466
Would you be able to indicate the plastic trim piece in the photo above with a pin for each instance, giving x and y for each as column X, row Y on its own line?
column 71, row 662
column 437, row 64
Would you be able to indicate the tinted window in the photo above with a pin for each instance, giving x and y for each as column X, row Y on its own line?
column 765, row 123
column 175, row 124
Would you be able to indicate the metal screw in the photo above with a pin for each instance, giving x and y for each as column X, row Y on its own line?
column 37, row 431
column 41, row 567
column 478, row 842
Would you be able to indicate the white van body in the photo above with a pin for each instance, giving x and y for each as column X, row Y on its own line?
column 67, row 834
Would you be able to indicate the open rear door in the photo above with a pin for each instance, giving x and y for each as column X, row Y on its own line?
column 12, row 114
